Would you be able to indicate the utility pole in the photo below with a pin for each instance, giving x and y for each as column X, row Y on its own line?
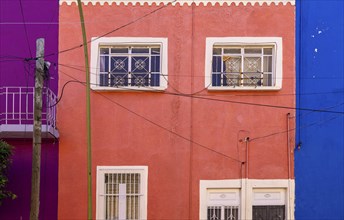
column 37, row 130
column 88, row 116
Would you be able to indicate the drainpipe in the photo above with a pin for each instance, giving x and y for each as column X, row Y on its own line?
column 247, row 139
column 289, row 164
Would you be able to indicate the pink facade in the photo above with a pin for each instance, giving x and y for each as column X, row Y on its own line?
column 186, row 133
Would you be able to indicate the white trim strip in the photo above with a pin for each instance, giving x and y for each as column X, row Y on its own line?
column 181, row 2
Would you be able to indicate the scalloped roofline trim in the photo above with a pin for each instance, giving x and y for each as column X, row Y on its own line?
column 180, row 2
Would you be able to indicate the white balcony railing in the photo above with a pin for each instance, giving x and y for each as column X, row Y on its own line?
column 17, row 108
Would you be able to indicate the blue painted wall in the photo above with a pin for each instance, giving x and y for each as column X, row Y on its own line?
column 319, row 162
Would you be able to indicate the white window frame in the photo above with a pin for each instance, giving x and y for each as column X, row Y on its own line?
column 247, row 188
column 98, row 42
column 102, row 170
column 276, row 42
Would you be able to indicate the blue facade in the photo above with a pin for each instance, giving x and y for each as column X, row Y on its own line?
column 319, row 154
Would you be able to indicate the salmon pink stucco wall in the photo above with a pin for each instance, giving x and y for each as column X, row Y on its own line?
column 181, row 139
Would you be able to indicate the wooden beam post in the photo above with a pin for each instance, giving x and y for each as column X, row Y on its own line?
column 88, row 115
column 37, row 130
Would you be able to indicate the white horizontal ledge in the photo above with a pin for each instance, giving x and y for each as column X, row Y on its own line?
column 26, row 131
column 244, row 88
column 181, row 2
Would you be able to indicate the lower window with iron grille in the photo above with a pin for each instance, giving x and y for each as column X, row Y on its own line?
column 269, row 204
column 267, row 212
column 122, row 193
column 223, row 204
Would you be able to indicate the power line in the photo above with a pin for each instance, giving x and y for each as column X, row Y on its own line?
column 305, row 126
column 26, row 35
column 251, row 139
column 202, row 76
column 154, row 123
column 75, row 67
column 237, row 102
column 116, row 29
column 181, row 136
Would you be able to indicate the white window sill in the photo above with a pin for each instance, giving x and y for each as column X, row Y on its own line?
column 244, row 88
column 128, row 89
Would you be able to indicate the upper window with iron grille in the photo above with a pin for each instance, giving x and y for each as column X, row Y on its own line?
column 244, row 65
column 130, row 64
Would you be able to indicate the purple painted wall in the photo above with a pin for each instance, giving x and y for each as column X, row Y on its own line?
column 20, row 181
column 17, row 46
column 41, row 19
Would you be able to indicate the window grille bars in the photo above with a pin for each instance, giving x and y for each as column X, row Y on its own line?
column 223, row 213
column 243, row 66
column 122, row 196
column 133, row 66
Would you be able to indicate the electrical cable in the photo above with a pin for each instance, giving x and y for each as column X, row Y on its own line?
column 178, row 135
column 116, row 29
column 146, row 119
column 189, row 76
column 236, row 102
column 292, row 129
column 25, row 29
column 194, row 93
column 75, row 67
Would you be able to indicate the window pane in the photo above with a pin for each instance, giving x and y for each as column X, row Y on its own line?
column 140, row 64
column 103, row 80
column 216, row 64
column 104, row 50
column 216, row 79
column 253, row 50
column 140, row 50
column 268, row 51
column 155, row 80
column 267, row 80
column 139, row 79
column 104, row 64
column 118, row 79
column 114, row 197
column 155, row 51
column 217, row 51
column 155, row 64
column 231, row 213
column 252, row 64
column 231, row 79
column 119, row 64
column 268, row 212
column 267, row 64
column 232, row 64
column 252, row 79
column 214, row 213
column 276, row 212
column 232, row 50
column 119, row 50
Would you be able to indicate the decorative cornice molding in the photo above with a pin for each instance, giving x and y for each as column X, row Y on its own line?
column 181, row 2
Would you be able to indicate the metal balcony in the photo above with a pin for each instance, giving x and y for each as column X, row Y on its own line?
column 17, row 109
